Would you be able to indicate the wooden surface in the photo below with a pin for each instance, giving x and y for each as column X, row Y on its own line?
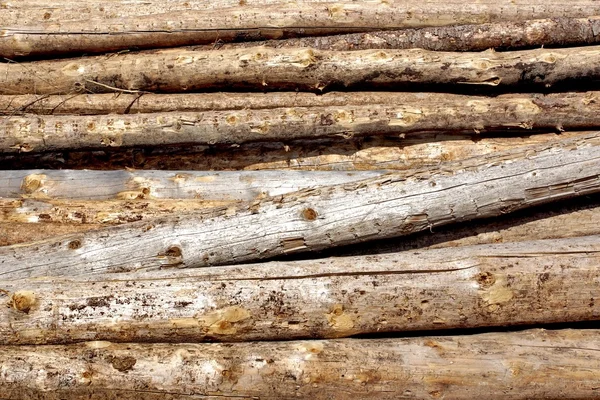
column 534, row 364
column 314, row 219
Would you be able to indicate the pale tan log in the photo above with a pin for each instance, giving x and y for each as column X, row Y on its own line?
column 391, row 206
column 532, row 364
column 262, row 68
column 163, row 27
column 556, row 31
column 400, row 114
column 367, row 153
column 126, row 103
column 489, row 285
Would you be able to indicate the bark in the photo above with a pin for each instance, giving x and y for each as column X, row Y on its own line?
column 532, row 364
column 416, row 113
column 366, row 153
column 22, row 232
column 557, row 31
column 198, row 185
column 165, row 28
column 261, row 68
column 394, row 205
column 490, row 285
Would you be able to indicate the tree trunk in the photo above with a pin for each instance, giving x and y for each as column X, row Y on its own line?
column 261, row 68
column 394, row 205
column 412, row 151
column 490, row 285
column 428, row 112
column 532, row 364
column 156, row 27
column 557, row 31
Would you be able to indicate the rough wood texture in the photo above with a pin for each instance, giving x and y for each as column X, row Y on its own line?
column 363, row 153
column 162, row 27
column 262, row 68
column 126, row 103
column 394, row 205
column 199, row 185
column 400, row 114
column 534, row 364
column 552, row 221
column 557, row 31
column 490, row 285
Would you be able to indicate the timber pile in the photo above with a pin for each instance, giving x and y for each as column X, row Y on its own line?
column 323, row 200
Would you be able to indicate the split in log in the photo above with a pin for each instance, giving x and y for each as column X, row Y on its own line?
column 271, row 20
column 200, row 185
column 262, row 68
column 500, row 35
column 394, row 205
column 362, row 153
column 490, row 285
column 532, row 364
column 417, row 113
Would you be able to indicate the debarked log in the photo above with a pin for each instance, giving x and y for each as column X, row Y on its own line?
column 159, row 184
column 262, row 68
column 532, row 364
column 393, row 205
column 414, row 113
column 528, row 282
column 167, row 25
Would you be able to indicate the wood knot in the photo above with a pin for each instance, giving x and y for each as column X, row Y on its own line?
column 309, row 214
column 75, row 244
column 22, row 301
column 485, row 279
column 173, row 251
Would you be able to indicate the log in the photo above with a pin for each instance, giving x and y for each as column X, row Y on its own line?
column 532, row 364
column 394, row 205
column 209, row 186
column 273, row 20
column 556, row 31
column 490, row 285
column 262, row 68
column 363, row 153
column 416, row 113
column 553, row 221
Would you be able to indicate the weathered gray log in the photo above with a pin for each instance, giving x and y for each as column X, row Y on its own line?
column 415, row 113
column 533, row 364
column 489, row 285
column 262, row 68
column 159, row 184
column 393, row 205
column 162, row 27
column 556, row 31
column 550, row 222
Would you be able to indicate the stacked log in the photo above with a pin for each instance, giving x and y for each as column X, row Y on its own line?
column 265, row 199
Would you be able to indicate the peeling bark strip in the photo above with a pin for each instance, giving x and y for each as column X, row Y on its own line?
column 262, row 68
column 490, row 285
column 428, row 112
column 200, row 185
column 500, row 35
column 531, row 364
column 271, row 21
column 393, row 205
